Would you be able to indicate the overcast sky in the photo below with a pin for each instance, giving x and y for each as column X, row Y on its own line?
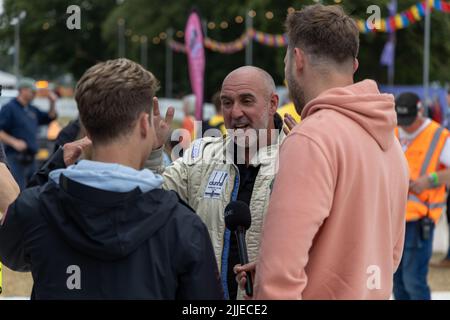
column 1, row 6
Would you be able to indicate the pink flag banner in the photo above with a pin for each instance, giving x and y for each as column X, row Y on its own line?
column 195, row 50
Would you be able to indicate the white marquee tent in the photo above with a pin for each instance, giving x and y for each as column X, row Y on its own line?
column 7, row 80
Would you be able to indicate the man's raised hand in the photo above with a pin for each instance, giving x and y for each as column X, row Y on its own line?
column 162, row 126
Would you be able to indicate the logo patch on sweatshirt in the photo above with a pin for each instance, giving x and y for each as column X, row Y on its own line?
column 216, row 184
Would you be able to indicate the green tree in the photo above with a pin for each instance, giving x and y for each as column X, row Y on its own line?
column 48, row 47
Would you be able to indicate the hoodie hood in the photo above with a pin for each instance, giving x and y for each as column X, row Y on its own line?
column 104, row 224
column 110, row 176
column 363, row 103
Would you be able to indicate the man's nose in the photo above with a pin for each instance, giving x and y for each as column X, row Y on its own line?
column 236, row 112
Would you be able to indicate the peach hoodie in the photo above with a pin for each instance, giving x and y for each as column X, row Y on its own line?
column 336, row 220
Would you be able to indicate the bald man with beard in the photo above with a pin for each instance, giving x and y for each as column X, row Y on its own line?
column 241, row 165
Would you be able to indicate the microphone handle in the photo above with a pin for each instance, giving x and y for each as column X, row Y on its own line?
column 243, row 258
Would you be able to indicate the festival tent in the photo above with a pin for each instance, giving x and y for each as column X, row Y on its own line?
column 7, row 80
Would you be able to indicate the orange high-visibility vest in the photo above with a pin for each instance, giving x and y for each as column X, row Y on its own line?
column 423, row 155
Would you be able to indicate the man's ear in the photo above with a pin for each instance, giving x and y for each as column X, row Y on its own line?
column 144, row 124
column 274, row 100
column 355, row 65
column 299, row 60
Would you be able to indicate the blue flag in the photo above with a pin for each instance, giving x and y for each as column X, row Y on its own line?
column 388, row 54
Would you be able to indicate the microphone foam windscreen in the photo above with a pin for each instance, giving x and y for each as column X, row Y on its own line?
column 237, row 213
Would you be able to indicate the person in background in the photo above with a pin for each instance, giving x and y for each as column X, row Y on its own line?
column 188, row 122
column 427, row 149
column 19, row 125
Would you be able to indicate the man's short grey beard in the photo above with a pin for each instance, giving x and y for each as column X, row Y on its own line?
column 258, row 136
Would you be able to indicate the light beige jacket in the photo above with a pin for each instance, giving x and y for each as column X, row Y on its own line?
column 207, row 179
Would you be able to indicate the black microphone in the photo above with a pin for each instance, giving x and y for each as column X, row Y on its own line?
column 239, row 219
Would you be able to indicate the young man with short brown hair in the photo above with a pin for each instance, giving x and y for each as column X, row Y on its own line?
column 104, row 229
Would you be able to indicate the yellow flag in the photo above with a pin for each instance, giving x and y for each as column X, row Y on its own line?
column 398, row 21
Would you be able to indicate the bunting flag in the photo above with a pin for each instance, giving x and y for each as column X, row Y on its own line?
column 271, row 40
column 391, row 24
column 229, row 47
column 388, row 55
column 177, row 46
column 402, row 20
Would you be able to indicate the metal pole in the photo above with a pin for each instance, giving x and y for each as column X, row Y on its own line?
column 144, row 52
column 169, row 64
column 393, row 38
column 391, row 69
column 426, row 63
column 121, row 37
column 17, row 50
column 249, row 47
column 205, row 27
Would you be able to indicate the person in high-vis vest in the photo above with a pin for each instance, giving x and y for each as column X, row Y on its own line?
column 427, row 150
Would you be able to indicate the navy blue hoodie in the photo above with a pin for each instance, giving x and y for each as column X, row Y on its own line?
column 85, row 243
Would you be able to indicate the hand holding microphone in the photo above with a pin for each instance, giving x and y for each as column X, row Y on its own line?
column 238, row 219
column 241, row 272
